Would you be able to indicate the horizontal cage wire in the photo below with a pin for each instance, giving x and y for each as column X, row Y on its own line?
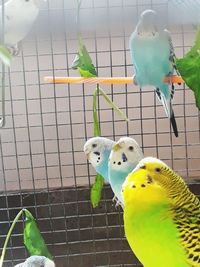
column 43, row 167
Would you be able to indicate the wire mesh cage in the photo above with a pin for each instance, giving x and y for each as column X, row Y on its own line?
column 43, row 167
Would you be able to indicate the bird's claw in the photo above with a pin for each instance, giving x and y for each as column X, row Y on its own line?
column 114, row 199
column 134, row 80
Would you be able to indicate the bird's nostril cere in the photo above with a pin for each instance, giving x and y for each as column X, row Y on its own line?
column 149, row 179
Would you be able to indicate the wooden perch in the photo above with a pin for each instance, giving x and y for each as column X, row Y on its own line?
column 104, row 80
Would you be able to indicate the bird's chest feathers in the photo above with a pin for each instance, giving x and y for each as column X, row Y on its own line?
column 143, row 219
column 153, row 236
column 151, row 60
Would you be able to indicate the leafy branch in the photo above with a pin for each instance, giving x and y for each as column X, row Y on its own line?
column 33, row 239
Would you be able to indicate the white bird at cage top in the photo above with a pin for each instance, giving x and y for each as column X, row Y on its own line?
column 19, row 17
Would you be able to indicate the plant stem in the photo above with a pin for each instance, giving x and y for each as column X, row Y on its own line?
column 97, row 131
column 8, row 236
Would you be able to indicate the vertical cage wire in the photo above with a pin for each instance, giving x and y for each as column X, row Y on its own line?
column 43, row 167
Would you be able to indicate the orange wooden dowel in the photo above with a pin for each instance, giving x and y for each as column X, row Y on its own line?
column 103, row 80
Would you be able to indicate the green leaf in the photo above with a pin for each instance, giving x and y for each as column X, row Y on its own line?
column 112, row 104
column 189, row 68
column 5, row 55
column 33, row 239
column 83, row 62
column 95, row 193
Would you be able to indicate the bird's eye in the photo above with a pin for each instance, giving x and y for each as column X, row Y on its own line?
column 94, row 145
column 131, row 148
column 157, row 169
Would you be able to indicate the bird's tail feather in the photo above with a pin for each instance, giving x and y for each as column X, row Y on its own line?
column 173, row 123
column 169, row 112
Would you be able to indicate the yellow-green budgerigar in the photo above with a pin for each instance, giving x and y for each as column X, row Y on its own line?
column 161, row 216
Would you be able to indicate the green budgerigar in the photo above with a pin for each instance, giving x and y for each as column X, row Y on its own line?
column 83, row 62
column 161, row 216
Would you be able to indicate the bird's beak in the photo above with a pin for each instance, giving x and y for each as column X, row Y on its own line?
column 116, row 147
column 87, row 153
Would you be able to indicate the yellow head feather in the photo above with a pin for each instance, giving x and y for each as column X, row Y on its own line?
column 151, row 182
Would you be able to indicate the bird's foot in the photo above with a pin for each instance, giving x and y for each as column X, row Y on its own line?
column 14, row 50
column 117, row 202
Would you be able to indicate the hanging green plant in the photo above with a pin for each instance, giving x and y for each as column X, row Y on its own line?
column 83, row 63
column 189, row 68
column 33, row 239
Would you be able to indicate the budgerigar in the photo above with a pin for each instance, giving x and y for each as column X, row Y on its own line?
column 97, row 150
column 125, row 155
column 37, row 261
column 153, row 59
column 18, row 20
column 161, row 216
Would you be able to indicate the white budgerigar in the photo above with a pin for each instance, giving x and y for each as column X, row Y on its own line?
column 124, row 157
column 36, row 261
column 19, row 16
column 153, row 59
column 97, row 150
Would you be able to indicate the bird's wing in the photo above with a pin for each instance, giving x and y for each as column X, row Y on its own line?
column 172, row 56
column 188, row 223
column 9, row 11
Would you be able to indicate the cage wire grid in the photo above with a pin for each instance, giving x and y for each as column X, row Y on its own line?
column 43, row 167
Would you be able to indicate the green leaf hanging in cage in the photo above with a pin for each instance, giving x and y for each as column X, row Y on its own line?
column 95, row 193
column 83, row 63
column 33, row 239
column 189, row 68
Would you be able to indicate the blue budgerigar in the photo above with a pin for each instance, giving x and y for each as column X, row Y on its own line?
column 124, row 157
column 153, row 59
column 97, row 150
